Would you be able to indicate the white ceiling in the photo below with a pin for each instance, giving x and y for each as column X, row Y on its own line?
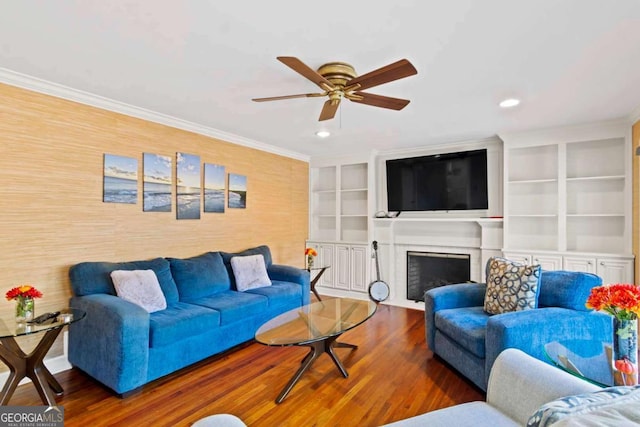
column 569, row 61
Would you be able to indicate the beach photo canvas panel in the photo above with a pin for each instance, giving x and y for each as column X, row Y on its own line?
column 120, row 184
column 187, row 186
column 156, row 184
column 214, row 188
column 237, row 191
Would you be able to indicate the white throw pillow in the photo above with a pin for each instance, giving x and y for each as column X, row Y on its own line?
column 140, row 287
column 250, row 272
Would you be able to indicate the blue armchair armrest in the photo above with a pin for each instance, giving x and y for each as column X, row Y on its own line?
column 287, row 273
column 530, row 330
column 451, row 296
column 112, row 342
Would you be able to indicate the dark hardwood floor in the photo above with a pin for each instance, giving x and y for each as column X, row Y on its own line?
column 392, row 375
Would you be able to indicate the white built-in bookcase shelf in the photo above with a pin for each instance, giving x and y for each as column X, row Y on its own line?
column 568, row 191
column 340, row 202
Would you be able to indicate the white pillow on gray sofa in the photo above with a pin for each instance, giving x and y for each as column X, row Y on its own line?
column 613, row 406
column 250, row 272
column 140, row 287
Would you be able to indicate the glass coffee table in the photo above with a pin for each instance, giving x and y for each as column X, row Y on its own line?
column 317, row 326
column 31, row 365
column 586, row 359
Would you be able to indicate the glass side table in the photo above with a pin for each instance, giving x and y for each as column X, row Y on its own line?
column 586, row 359
column 31, row 365
column 316, row 279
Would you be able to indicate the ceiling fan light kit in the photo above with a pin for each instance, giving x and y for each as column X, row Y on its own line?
column 509, row 103
column 339, row 80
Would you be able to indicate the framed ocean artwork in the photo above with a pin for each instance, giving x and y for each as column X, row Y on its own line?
column 237, row 191
column 156, row 184
column 214, row 188
column 187, row 186
column 120, row 183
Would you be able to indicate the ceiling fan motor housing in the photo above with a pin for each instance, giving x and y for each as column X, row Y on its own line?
column 338, row 73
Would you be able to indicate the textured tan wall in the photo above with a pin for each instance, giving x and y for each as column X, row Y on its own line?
column 51, row 209
column 636, row 201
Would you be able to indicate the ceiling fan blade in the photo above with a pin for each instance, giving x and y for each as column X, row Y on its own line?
column 278, row 98
column 329, row 109
column 397, row 70
column 378, row 100
column 301, row 68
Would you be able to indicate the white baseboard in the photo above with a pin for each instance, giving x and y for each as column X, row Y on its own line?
column 54, row 364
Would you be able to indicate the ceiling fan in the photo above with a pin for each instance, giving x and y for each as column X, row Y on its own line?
column 339, row 80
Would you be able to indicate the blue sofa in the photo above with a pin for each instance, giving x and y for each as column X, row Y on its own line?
column 123, row 346
column 469, row 339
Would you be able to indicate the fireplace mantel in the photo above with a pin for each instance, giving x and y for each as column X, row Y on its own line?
column 479, row 237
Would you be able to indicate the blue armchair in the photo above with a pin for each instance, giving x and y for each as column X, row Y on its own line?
column 469, row 339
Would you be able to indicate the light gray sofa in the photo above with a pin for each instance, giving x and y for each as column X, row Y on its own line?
column 518, row 386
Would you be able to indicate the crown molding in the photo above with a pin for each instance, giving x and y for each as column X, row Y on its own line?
column 60, row 91
column 573, row 133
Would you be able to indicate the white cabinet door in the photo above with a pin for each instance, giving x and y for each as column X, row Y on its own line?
column 348, row 265
column 579, row 263
column 547, row 262
column 518, row 257
column 326, row 253
column 615, row 270
column 342, row 270
column 358, row 265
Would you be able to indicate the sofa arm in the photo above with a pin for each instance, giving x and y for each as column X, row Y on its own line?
column 112, row 342
column 287, row 273
column 450, row 296
column 530, row 330
column 519, row 384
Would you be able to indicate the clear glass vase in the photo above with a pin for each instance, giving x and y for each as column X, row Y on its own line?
column 309, row 262
column 625, row 351
column 25, row 308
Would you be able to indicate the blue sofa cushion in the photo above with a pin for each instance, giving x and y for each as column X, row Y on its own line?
column 280, row 293
column 234, row 306
column 88, row 278
column 467, row 326
column 259, row 250
column 200, row 276
column 567, row 289
column 179, row 321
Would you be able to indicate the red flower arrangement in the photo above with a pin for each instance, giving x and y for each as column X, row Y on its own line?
column 24, row 291
column 310, row 252
column 621, row 300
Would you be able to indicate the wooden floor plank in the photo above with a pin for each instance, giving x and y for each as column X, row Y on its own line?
column 392, row 376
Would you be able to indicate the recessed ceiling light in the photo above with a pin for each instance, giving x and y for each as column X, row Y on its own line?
column 508, row 103
column 323, row 133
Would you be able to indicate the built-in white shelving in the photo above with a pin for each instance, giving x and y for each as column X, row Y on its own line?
column 340, row 202
column 568, row 194
column 339, row 222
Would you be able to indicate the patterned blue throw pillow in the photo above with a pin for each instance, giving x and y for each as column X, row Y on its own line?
column 619, row 406
column 511, row 286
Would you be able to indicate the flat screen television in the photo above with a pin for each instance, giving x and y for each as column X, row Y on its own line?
column 440, row 182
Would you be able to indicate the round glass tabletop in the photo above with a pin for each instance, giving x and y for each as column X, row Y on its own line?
column 64, row 317
column 587, row 359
